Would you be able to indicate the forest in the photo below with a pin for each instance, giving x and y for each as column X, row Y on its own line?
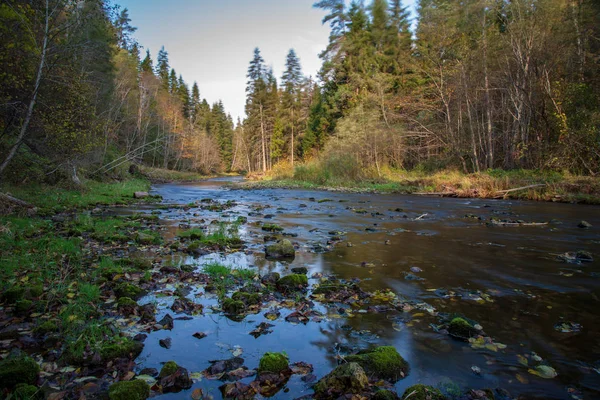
column 472, row 85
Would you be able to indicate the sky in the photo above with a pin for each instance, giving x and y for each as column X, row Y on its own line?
column 211, row 42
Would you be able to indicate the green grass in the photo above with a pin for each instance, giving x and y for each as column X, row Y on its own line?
column 342, row 174
column 225, row 234
column 167, row 175
column 244, row 274
column 216, row 270
column 56, row 199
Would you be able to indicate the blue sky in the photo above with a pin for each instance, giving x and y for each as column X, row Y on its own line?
column 211, row 41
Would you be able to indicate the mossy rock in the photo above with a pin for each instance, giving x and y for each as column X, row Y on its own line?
column 13, row 294
column 273, row 362
column 383, row 362
column 23, row 306
column 460, row 328
column 18, row 370
column 292, row 282
column 194, row 246
column 128, row 290
column 122, row 348
column 344, row 379
column 385, row 395
column 26, row 392
column 328, row 288
column 169, row 368
column 126, row 302
column 232, row 306
column 46, row 327
column 422, row 392
column 35, row 291
column 139, row 263
column 129, row 390
column 282, row 249
column 144, row 238
column 247, row 298
column 300, row 270
column 272, row 228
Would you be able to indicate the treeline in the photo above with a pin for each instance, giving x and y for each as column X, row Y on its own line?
column 75, row 96
column 479, row 84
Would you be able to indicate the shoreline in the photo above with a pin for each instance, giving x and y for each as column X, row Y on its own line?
column 544, row 192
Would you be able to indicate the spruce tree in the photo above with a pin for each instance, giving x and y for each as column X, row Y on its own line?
column 162, row 67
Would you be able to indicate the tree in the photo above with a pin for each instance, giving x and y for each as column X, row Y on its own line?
column 162, row 67
column 291, row 82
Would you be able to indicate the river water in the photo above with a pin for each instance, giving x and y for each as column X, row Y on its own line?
column 509, row 279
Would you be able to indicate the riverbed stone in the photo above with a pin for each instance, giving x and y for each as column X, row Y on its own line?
column 300, row 270
column 584, row 225
column 383, row 362
column 247, row 298
column 273, row 362
column 422, row 392
column 140, row 195
column 460, row 328
column 347, row 378
column 129, row 390
column 282, row 249
column 292, row 283
column 271, row 278
column 232, row 306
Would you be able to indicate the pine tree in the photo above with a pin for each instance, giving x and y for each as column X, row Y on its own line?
column 183, row 93
column 291, row 81
column 162, row 67
column 146, row 65
column 173, row 82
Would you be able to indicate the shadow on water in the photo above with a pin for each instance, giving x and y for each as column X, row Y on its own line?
column 506, row 278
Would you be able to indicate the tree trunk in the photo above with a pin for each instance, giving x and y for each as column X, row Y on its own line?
column 262, row 132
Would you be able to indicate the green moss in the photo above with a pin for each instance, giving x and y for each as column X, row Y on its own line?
column 126, row 302
column 139, row 263
column 128, row 290
column 129, row 390
column 345, row 378
column 46, row 327
column 282, row 249
column 169, row 368
column 35, row 291
column 13, row 294
column 272, row 228
column 460, row 328
column 292, row 282
column 328, row 288
column 26, row 392
column 384, row 395
column 22, row 306
column 246, row 298
column 232, row 306
column 121, row 348
column 273, row 362
column 148, row 237
column 383, row 362
column 422, row 392
column 18, row 370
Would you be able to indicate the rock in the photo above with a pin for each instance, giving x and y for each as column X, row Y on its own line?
column 270, row 279
column 461, row 329
column 23, row 306
column 293, row 282
column 153, row 372
column 248, row 299
column 232, row 306
column 131, row 390
column 17, row 370
column 383, row 362
column 344, row 379
column 300, row 270
column 422, row 392
column 143, row 238
column 166, row 343
column 174, row 378
column 349, row 244
column 384, row 395
column 584, row 225
column 272, row 228
column 282, row 249
column 12, row 331
column 273, row 362
column 166, row 322
column 199, row 335
column 220, row 366
column 140, row 195
column 128, row 290
column 237, row 390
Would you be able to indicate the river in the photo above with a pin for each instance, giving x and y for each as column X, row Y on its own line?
column 509, row 279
